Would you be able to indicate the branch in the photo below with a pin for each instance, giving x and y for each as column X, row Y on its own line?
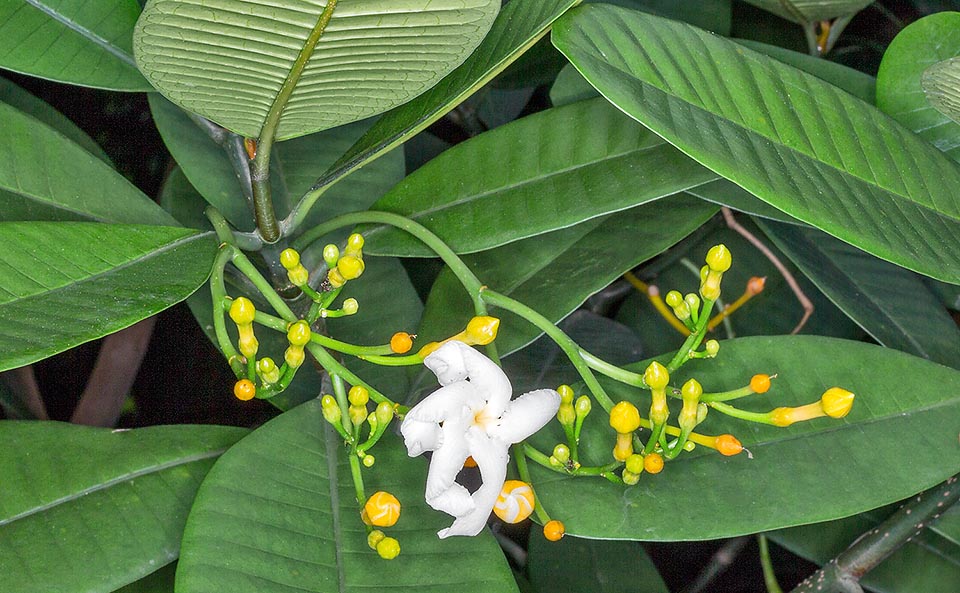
column 843, row 573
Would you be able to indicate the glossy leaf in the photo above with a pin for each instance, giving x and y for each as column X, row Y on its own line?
column 543, row 172
column 68, row 283
column 928, row 562
column 295, row 165
column 89, row 509
column 811, row 471
column 922, row 44
column 809, row 11
column 941, row 85
column 794, row 141
column 556, row 272
column 228, row 61
column 889, row 303
column 713, row 15
column 517, row 27
column 73, row 41
column 575, row 564
column 45, row 176
column 278, row 513
column 26, row 103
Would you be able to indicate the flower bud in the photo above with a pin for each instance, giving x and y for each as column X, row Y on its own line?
column 358, row 395
column 635, row 463
column 298, row 334
column 289, row 259
column 354, row 243
column 268, row 371
column 382, row 509
column 384, row 414
column 331, row 253
column 388, row 548
column 561, row 453
column 566, row 394
column 727, row 444
column 330, row 409
column 583, row 406
column 674, row 299
column 481, row 330
column 374, row 537
column 653, row 463
column 625, row 417
column 719, row 258
column 656, row 376
column 368, row 460
column 711, row 347
column 242, row 311
column 630, row 478
column 553, row 530
column 515, row 502
column 836, row 402
column 350, row 267
column 350, row 306
column 401, row 343
column 760, row 383
column 244, row 389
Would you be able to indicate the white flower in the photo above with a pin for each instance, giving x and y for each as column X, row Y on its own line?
column 470, row 415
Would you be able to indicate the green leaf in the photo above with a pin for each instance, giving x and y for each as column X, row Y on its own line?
column 23, row 101
column 941, row 85
column 43, row 175
column 555, row 273
column 922, row 44
column 713, row 15
column 544, row 172
column 65, row 283
column 928, row 562
column 229, row 61
column 889, row 303
column 278, row 513
column 809, row 11
column 388, row 304
column 796, row 142
column 160, row 581
column 812, row 471
column 575, row 564
column 729, row 194
column 518, row 27
column 72, row 41
column 89, row 509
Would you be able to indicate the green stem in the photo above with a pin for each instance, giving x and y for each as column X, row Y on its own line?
column 218, row 293
column 263, row 285
column 614, row 372
column 520, row 454
column 330, row 363
column 722, row 396
column 693, row 340
column 466, row 277
column 600, row 470
column 769, row 576
column 759, row 417
column 358, row 481
column 340, row 392
column 524, row 449
column 568, row 346
column 260, row 166
column 362, row 352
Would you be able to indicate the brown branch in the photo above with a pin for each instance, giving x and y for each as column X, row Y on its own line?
column 117, row 366
column 791, row 281
column 22, row 383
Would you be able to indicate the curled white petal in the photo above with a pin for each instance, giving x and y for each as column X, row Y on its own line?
column 470, row 415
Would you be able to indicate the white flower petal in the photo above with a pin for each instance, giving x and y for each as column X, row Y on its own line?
column 526, row 415
column 455, row 361
column 491, row 457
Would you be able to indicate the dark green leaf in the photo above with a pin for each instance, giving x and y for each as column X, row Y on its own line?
column 517, row 27
column 541, row 173
column 809, row 11
column 26, row 103
column 89, row 509
column 575, row 564
column 160, row 581
column 278, row 513
column 555, row 273
column 930, row 40
column 233, row 60
column 65, row 283
column 713, row 15
column 72, row 41
column 796, row 142
column 889, row 303
column 812, row 471
column 43, row 176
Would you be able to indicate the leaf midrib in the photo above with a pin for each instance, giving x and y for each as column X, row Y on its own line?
column 155, row 253
column 84, row 32
column 113, row 482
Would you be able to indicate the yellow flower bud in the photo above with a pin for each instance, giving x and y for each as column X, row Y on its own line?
column 358, row 395
column 330, row 409
column 674, row 299
column 481, row 330
column 382, row 509
column 625, row 417
column 653, row 463
column 566, row 394
column 583, row 406
column 719, row 258
column 331, row 253
column 358, row 414
column 562, row 453
column 710, row 288
column 289, row 259
column 354, row 243
column 388, row 548
column 635, row 463
column 335, row 279
column 566, row 415
column 836, row 402
column 298, row 333
column 553, row 530
column 624, row 447
column 630, row 478
column 268, row 371
column 712, row 347
column 656, row 376
column 384, row 413
column 294, row 356
column 368, row 460
column 350, row 306
column 242, row 311
column 515, row 502
column 374, row 537
column 350, row 267
column 298, row 276
column 248, row 341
